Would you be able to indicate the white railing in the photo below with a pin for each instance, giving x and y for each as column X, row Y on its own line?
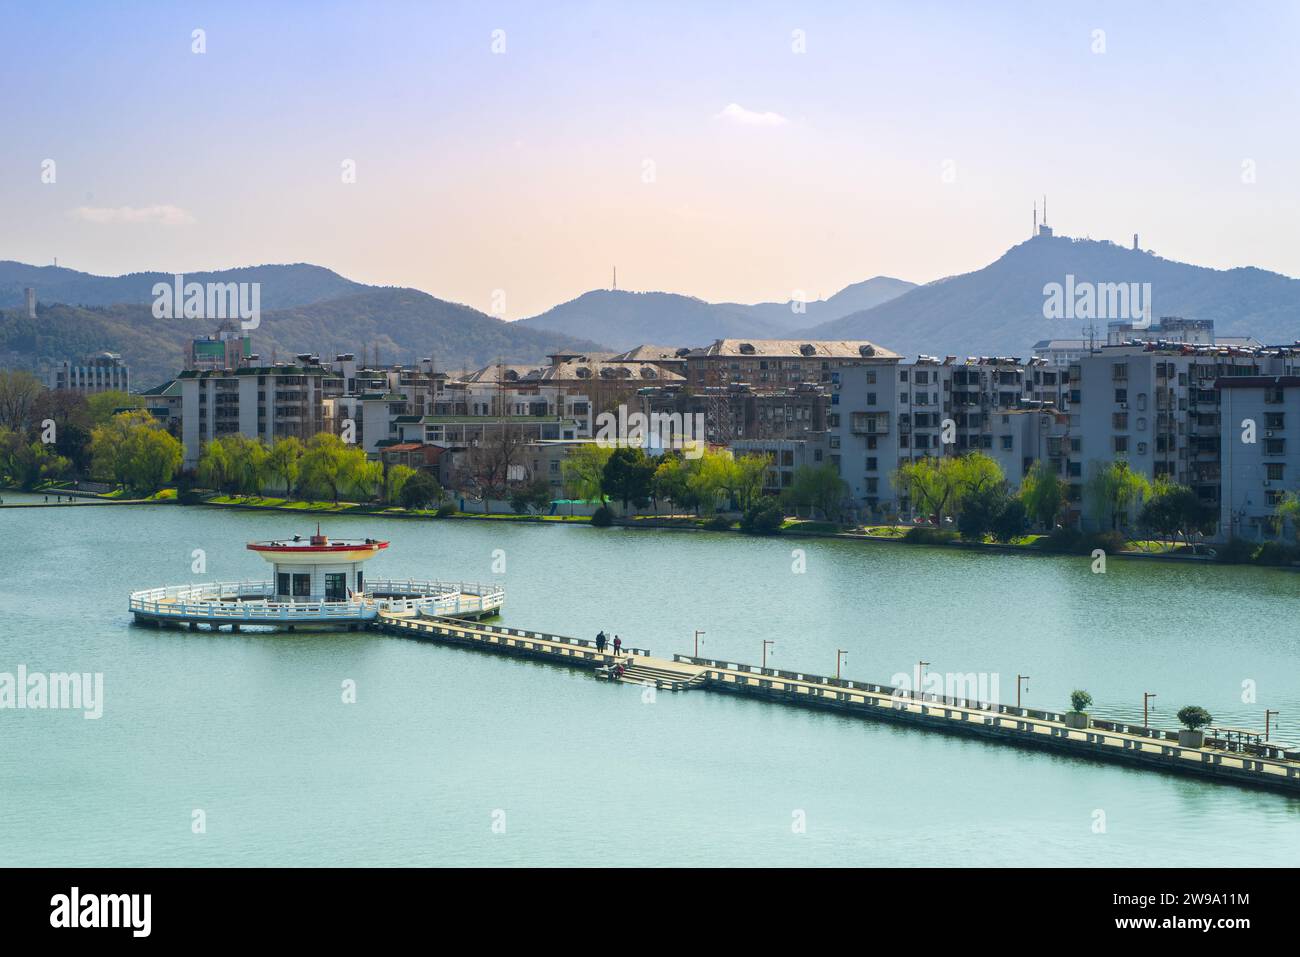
column 253, row 601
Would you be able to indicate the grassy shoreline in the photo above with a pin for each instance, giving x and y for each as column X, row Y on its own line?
column 792, row 527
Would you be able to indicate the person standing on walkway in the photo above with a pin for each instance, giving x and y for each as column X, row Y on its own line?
column 600, row 642
column 618, row 645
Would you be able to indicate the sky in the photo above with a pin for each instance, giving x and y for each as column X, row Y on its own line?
column 510, row 155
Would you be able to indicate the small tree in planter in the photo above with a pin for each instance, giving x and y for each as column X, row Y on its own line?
column 1078, row 717
column 1193, row 717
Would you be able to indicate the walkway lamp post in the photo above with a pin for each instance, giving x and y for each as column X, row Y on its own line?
column 697, row 642
column 920, row 678
column 839, row 654
column 766, row 642
column 1146, row 698
column 1019, row 680
column 1267, row 715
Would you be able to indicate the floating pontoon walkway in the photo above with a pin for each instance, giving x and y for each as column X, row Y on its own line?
column 1267, row 767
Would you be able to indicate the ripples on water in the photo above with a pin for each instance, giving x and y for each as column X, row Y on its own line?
column 251, row 729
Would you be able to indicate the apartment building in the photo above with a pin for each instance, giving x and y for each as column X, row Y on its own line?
column 773, row 365
column 1154, row 405
column 262, row 402
column 884, row 414
column 785, row 457
column 101, row 372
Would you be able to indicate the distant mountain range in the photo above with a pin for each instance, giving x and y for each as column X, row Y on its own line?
column 304, row 309
column 624, row 319
column 999, row 309
column 282, row 286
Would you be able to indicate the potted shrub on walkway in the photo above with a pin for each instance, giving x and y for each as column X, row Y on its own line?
column 1078, row 718
column 1193, row 718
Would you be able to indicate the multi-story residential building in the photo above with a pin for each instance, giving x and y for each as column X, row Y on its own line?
column 261, row 402
column 774, row 365
column 1259, row 444
column 736, row 412
column 101, row 372
column 886, row 414
column 786, row 456
column 1155, row 406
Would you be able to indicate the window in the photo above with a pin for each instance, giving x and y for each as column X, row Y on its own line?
column 902, row 398
column 1275, row 446
column 902, row 375
column 922, row 377
column 1119, row 421
column 1074, row 469
column 1121, row 395
column 871, row 464
column 1274, row 471
column 871, row 398
column 282, row 583
column 336, row 586
column 1121, row 443
column 1273, row 396
column 1007, row 441
column 1142, row 448
column 871, row 442
column 1119, row 372
column 301, row 586
column 1274, row 420
column 922, row 441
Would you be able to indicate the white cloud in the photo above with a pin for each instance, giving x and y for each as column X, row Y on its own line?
column 158, row 215
column 735, row 113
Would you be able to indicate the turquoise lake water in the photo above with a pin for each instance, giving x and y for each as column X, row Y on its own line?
column 442, row 742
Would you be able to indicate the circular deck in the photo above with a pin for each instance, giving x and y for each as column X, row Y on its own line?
column 256, row 603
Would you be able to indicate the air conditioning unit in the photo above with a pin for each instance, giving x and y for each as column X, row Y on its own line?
column 1124, row 406
column 1268, row 434
column 1265, row 483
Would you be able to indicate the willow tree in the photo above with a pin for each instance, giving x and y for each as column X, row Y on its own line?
column 937, row 485
column 1114, row 490
column 1043, row 494
column 135, row 451
column 584, row 472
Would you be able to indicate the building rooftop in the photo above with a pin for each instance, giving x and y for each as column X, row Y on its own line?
column 796, row 348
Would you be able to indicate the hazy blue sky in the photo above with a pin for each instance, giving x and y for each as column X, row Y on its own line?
column 525, row 171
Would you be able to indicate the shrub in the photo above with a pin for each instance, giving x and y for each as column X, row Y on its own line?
column 1063, row 541
column 980, row 512
column 1080, row 700
column 1011, row 522
column 924, row 535
column 603, row 517
column 1109, row 542
column 1275, row 553
column 763, row 518
column 189, row 497
column 1236, row 551
column 420, row 491
column 1069, row 541
column 445, row 509
column 718, row 523
column 1194, row 716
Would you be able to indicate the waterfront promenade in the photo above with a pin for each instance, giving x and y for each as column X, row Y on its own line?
column 1150, row 748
